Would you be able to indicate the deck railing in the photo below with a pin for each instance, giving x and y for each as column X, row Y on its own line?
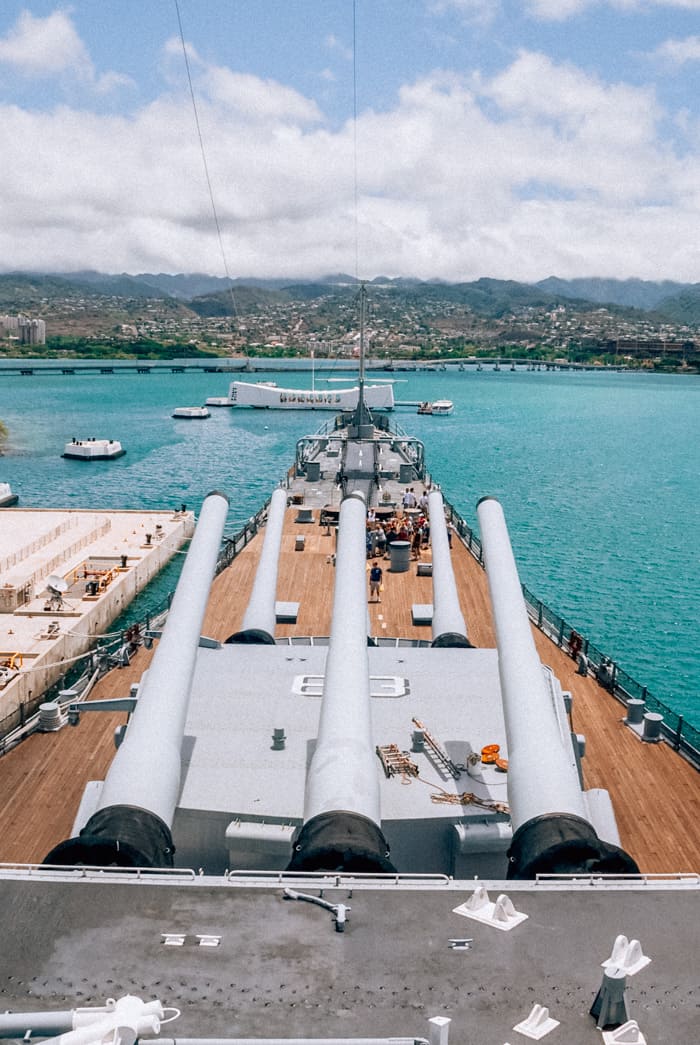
column 680, row 734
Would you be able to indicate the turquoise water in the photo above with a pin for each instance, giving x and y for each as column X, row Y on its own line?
column 598, row 475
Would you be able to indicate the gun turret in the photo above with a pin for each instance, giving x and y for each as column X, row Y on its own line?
column 552, row 832
column 131, row 826
column 341, row 829
column 260, row 619
column 449, row 628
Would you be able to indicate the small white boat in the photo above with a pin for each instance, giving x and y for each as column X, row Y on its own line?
column 440, row 408
column 7, row 497
column 191, row 413
column 218, row 401
column 93, row 449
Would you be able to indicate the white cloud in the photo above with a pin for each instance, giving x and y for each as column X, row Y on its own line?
column 336, row 46
column 476, row 12
column 45, row 46
column 581, row 107
column 679, row 52
column 257, row 99
column 560, row 10
column 539, row 169
column 40, row 48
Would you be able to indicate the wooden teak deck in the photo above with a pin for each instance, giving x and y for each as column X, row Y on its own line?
column 655, row 793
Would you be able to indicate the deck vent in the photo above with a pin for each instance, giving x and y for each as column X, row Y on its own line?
column 51, row 718
column 652, row 727
column 635, row 712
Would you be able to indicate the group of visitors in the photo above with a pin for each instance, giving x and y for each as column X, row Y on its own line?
column 410, row 524
column 406, row 528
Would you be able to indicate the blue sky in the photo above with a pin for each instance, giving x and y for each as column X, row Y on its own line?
column 498, row 138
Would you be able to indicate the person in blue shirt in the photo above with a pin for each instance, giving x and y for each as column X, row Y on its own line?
column 375, row 581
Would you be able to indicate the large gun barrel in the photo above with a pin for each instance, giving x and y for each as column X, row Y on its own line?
column 449, row 628
column 341, row 828
column 552, row 833
column 259, row 619
column 131, row 826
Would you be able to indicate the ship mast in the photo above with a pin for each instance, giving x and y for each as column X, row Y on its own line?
column 362, row 422
column 361, row 396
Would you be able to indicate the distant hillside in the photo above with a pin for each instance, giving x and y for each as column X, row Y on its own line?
column 683, row 307
column 490, row 298
column 630, row 293
column 493, row 298
column 183, row 287
column 486, row 297
column 247, row 299
column 120, row 285
column 197, row 285
column 22, row 291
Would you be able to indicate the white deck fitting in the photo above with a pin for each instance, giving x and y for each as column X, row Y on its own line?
column 627, row 1034
column 538, row 1024
column 500, row 915
column 626, row 955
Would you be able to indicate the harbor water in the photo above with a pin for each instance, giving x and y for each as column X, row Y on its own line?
column 597, row 472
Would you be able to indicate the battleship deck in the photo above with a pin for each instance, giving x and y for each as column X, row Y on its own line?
column 655, row 793
column 279, row 971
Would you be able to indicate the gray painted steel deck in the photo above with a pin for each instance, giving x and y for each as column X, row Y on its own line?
column 281, row 969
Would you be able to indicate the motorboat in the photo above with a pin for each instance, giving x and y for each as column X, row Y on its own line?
column 7, row 497
column 438, row 408
column 93, row 450
column 191, row 413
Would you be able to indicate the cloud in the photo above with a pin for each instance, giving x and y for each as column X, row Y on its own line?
column 577, row 106
column 540, row 168
column 257, row 99
column 677, row 53
column 44, row 46
column 336, row 46
column 41, row 48
column 561, row 10
column 475, row 12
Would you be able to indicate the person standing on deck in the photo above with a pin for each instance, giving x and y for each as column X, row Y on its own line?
column 375, row 581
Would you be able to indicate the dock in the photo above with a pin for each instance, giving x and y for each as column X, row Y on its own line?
column 64, row 577
column 656, row 794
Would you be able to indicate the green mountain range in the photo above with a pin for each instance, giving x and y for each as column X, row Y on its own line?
column 493, row 298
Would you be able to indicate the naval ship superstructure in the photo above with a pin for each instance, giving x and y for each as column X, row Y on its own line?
column 350, row 835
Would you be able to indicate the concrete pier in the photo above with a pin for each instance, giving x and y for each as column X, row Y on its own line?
column 101, row 561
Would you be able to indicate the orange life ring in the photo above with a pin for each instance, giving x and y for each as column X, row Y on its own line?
column 489, row 753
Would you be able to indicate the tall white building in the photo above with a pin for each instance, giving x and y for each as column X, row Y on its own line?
column 27, row 331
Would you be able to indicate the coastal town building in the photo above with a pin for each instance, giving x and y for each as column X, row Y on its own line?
column 24, row 330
